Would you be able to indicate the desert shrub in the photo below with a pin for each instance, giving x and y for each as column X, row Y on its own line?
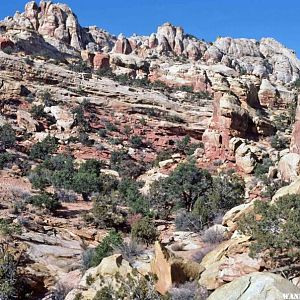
column 189, row 291
column 80, row 67
column 144, row 231
column 275, row 229
column 174, row 119
column 45, row 200
column 213, row 236
column 133, row 285
column 129, row 250
column 263, row 167
column 79, row 116
column 47, row 98
column 106, row 213
column 37, row 111
column 162, row 155
column 102, row 132
column 129, row 191
column 199, row 255
column 227, row 192
column 111, row 127
column 10, row 283
column 185, row 146
column 105, row 248
column 84, row 139
column 189, row 221
column 41, row 150
column 121, row 162
column 182, row 188
column 136, row 141
column 60, row 291
column 105, row 72
column 279, row 142
column 5, row 158
column 85, row 183
column 7, row 136
column 40, row 178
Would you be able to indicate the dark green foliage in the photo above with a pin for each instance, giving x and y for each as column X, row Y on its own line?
column 40, row 178
column 144, row 231
column 85, row 184
column 8, row 276
column 105, row 72
column 162, row 155
column 129, row 191
column 106, row 213
column 7, row 136
column 111, row 127
column 5, row 158
column 92, row 166
column 136, row 141
column 84, row 139
column 131, row 287
column 47, row 99
column 105, row 248
column 80, row 67
column 37, row 111
column 263, row 167
column 286, row 119
column 275, row 229
column 174, row 119
column 185, row 146
column 121, row 162
column 227, row 192
column 41, row 150
column 186, row 88
column 182, row 188
column 45, row 200
column 279, row 142
column 80, row 118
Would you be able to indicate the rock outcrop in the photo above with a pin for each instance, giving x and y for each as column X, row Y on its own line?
column 258, row 286
column 172, row 270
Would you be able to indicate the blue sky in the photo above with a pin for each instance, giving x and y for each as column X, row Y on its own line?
column 203, row 18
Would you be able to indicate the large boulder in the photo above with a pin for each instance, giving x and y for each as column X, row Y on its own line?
column 105, row 274
column 292, row 189
column 258, row 286
column 64, row 118
column 245, row 158
column 172, row 270
column 289, row 167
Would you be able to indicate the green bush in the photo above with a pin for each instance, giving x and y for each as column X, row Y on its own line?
column 275, row 229
column 263, row 167
column 7, row 136
column 45, row 200
column 144, row 231
column 279, row 142
column 136, row 141
column 37, row 111
column 182, row 188
column 105, row 248
column 185, row 146
column 41, row 150
column 106, row 213
column 5, row 158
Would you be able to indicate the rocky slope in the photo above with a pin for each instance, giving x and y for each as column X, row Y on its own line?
column 234, row 98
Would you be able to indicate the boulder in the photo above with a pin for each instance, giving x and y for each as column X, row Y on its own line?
column 292, row 189
column 105, row 274
column 267, row 93
column 259, row 286
column 26, row 121
column 289, row 167
column 101, row 61
column 246, row 160
column 172, row 270
column 64, row 118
